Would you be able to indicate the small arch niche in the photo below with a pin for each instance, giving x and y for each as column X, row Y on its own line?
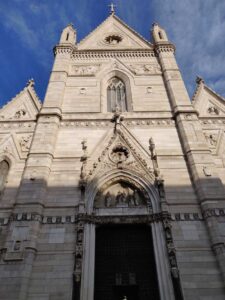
column 4, row 170
column 120, row 194
column 116, row 95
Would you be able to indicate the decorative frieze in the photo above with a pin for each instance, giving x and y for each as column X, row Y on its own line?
column 165, row 48
column 212, row 121
column 16, row 125
column 71, row 219
column 25, row 142
column 84, row 55
column 145, row 69
column 130, row 123
column 84, row 70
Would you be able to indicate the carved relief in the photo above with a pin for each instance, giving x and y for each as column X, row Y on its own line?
column 25, row 142
column 145, row 69
column 211, row 138
column 20, row 114
column 113, row 39
column 79, row 252
column 207, row 171
column 84, row 70
column 212, row 110
column 119, row 154
column 120, row 194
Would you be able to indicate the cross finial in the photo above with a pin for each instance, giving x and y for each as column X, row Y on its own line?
column 112, row 8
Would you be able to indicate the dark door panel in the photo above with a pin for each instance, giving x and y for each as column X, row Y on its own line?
column 124, row 264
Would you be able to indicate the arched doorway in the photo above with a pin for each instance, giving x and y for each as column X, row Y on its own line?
column 125, row 263
column 121, row 204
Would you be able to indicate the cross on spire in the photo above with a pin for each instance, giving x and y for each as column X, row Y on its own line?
column 112, row 8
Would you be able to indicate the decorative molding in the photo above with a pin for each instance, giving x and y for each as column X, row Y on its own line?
column 195, row 216
column 80, row 54
column 84, row 70
column 208, row 121
column 165, row 48
column 212, row 110
column 216, row 212
column 211, row 138
column 79, row 251
column 16, row 125
column 127, row 122
column 25, row 142
column 145, row 69
column 71, row 219
column 63, row 49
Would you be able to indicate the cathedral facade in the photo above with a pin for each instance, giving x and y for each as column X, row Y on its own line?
column 113, row 188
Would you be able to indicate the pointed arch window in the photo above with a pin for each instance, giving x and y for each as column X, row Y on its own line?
column 4, row 170
column 116, row 95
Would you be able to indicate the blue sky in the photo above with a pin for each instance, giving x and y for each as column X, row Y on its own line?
column 30, row 28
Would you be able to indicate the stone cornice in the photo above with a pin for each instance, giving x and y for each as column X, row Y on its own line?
column 164, row 47
column 63, row 49
column 95, row 219
column 128, row 122
column 85, row 54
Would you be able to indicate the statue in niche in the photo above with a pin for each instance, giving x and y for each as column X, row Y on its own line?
column 134, row 199
column 17, row 246
column 108, row 199
column 121, row 198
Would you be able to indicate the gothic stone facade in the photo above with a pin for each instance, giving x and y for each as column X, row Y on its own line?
column 116, row 141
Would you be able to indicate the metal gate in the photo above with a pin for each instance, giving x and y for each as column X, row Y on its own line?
column 124, row 263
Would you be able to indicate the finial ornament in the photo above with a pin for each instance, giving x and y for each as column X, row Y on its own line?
column 199, row 80
column 112, row 8
column 30, row 82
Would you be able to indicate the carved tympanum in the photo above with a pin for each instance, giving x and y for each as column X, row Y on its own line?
column 120, row 194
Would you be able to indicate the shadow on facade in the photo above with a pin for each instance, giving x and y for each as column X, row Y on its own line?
column 43, row 236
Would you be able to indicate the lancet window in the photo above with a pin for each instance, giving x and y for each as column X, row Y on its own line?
column 116, row 95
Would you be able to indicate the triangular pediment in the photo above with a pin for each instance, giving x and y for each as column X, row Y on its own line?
column 207, row 102
column 113, row 34
column 25, row 106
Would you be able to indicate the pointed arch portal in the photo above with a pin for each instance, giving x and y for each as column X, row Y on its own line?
column 124, row 263
column 125, row 250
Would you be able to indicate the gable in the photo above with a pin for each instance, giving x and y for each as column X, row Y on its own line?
column 119, row 150
column 113, row 34
column 25, row 106
column 207, row 102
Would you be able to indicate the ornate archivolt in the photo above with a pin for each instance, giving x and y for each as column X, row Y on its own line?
column 122, row 175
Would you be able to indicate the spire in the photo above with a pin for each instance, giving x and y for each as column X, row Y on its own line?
column 158, row 33
column 68, row 35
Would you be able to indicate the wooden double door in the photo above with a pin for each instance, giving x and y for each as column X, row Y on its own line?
column 125, row 264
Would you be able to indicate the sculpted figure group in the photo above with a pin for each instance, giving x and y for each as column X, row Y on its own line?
column 122, row 198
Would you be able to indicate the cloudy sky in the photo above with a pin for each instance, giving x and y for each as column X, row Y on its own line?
column 30, row 28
